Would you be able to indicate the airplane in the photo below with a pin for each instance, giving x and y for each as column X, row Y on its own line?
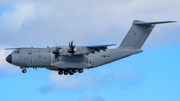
column 72, row 59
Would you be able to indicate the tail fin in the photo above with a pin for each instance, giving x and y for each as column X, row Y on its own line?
column 138, row 33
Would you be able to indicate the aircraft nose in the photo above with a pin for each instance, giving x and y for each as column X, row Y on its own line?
column 9, row 58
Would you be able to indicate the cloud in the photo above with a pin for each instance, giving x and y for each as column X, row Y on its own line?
column 13, row 19
column 90, row 98
column 82, row 21
column 4, row 66
column 44, row 89
column 122, row 79
column 3, row 55
column 16, row 19
column 71, row 82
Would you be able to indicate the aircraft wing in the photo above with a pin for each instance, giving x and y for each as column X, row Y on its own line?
column 87, row 49
column 21, row 48
column 98, row 47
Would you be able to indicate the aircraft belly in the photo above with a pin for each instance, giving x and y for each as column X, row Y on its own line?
column 66, row 64
column 111, row 55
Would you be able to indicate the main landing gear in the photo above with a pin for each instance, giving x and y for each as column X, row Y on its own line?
column 69, row 71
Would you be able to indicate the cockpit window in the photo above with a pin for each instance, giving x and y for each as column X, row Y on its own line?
column 16, row 52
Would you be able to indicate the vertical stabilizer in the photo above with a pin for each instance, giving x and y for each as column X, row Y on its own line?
column 138, row 33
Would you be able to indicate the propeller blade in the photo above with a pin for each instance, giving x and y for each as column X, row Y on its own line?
column 73, row 48
column 71, row 43
column 56, row 52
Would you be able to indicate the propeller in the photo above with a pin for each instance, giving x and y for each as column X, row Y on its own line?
column 56, row 52
column 71, row 48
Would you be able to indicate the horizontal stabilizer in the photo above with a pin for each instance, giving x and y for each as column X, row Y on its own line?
column 152, row 23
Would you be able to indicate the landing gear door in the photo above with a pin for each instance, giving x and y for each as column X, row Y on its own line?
column 90, row 60
column 30, row 61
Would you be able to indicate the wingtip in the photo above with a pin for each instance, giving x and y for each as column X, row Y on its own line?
column 112, row 45
column 8, row 49
column 170, row 21
column 173, row 21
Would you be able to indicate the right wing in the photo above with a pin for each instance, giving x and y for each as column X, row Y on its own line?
column 99, row 47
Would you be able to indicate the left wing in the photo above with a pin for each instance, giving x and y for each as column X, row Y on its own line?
column 21, row 48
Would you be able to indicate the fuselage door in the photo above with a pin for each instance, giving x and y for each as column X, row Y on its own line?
column 90, row 60
column 30, row 61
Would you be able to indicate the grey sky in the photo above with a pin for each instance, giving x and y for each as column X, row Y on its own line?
column 58, row 22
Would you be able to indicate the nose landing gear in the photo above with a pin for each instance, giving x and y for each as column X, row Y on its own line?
column 24, row 69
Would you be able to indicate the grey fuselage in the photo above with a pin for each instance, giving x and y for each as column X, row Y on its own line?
column 44, row 58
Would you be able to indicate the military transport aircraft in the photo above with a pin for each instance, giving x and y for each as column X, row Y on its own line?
column 72, row 59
